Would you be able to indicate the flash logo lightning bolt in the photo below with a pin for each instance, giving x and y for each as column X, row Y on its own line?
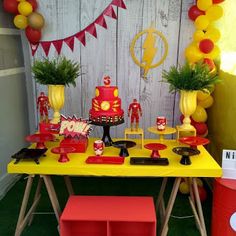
column 149, row 51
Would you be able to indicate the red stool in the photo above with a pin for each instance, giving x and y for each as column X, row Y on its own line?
column 224, row 208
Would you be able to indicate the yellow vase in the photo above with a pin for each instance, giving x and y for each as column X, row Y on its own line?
column 187, row 105
column 56, row 95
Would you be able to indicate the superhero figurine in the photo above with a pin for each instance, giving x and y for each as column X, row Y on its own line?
column 134, row 110
column 43, row 106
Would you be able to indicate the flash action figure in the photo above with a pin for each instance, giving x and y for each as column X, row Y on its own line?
column 134, row 110
column 43, row 106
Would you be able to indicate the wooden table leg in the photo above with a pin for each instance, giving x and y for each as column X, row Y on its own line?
column 52, row 195
column 23, row 219
column 199, row 206
column 68, row 185
column 164, row 228
column 196, row 216
column 160, row 205
column 36, row 196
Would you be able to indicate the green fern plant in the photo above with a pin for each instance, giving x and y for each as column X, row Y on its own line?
column 189, row 77
column 59, row 71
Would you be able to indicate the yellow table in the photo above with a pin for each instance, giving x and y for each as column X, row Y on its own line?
column 203, row 165
column 168, row 130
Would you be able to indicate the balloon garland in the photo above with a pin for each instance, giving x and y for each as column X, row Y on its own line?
column 204, row 48
column 26, row 17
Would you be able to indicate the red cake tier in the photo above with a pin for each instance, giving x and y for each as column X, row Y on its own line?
column 106, row 92
column 106, row 106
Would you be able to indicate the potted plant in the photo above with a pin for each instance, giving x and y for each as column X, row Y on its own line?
column 188, row 80
column 57, row 74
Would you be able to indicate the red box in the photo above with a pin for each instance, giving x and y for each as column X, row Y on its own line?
column 80, row 144
column 108, row 216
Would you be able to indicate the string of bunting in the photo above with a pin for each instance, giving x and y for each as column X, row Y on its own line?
column 91, row 29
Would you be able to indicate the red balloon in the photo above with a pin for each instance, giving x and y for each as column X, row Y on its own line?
column 217, row 1
column 33, row 35
column 194, row 12
column 200, row 127
column 10, row 6
column 202, row 193
column 206, row 45
column 33, row 3
column 210, row 63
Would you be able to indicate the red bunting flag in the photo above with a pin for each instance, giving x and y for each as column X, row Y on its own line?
column 70, row 42
column 58, row 45
column 92, row 30
column 81, row 37
column 119, row 3
column 46, row 46
column 101, row 21
column 109, row 11
column 34, row 48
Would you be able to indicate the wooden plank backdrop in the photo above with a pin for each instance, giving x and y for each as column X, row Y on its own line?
column 109, row 54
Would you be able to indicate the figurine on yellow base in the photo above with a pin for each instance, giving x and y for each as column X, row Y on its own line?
column 43, row 106
column 134, row 111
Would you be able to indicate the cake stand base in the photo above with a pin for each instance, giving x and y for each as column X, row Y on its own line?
column 106, row 138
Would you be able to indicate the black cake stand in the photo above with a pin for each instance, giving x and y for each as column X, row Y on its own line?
column 106, row 138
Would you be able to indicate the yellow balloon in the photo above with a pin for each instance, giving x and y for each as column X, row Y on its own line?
column 207, row 102
column 204, row 4
column 202, row 22
column 198, row 35
column 215, row 12
column 25, row 8
column 213, row 34
column 20, row 21
column 214, row 53
column 193, row 54
column 200, row 114
column 184, row 188
column 202, row 95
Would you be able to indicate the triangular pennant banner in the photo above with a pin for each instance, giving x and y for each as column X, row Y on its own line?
column 58, row 45
column 109, row 11
column 92, row 30
column 70, row 42
column 34, row 48
column 119, row 3
column 101, row 21
column 46, row 47
column 81, row 37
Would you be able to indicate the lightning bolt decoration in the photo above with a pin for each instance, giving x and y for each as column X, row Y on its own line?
column 149, row 49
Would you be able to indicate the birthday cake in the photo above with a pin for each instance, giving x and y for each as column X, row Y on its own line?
column 106, row 106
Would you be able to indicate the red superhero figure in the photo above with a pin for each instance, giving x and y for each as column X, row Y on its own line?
column 134, row 110
column 43, row 106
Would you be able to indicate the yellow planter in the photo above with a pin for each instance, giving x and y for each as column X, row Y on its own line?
column 56, row 95
column 187, row 105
